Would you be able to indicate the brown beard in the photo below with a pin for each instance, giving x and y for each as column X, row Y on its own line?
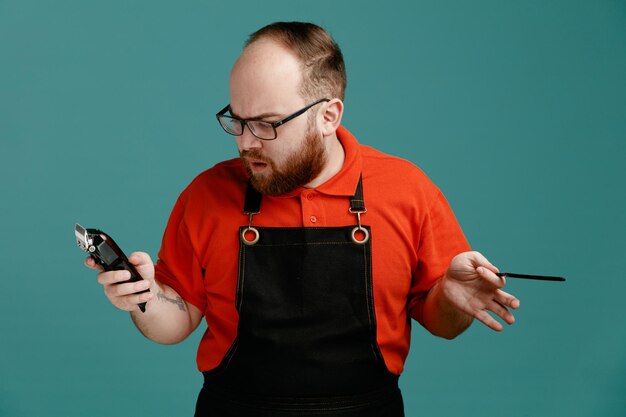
column 300, row 168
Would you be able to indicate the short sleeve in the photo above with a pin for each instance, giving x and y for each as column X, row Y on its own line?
column 178, row 265
column 441, row 239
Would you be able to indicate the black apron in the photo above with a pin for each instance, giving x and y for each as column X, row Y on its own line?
column 306, row 340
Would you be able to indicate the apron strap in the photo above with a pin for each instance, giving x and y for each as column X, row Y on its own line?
column 357, row 204
column 252, row 204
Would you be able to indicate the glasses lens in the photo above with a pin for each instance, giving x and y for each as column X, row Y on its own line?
column 230, row 125
column 262, row 130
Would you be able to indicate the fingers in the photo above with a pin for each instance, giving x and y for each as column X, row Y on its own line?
column 467, row 265
column 113, row 277
column 133, row 300
column 143, row 264
column 489, row 321
column 490, row 276
column 130, row 302
column 126, row 288
column 140, row 259
column 498, row 306
column 126, row 296
column 480, row 290
column 122, row 294
column 90, row 263
column 500, row 296
column 507, row 299
column 480, row 260
column 502, row 312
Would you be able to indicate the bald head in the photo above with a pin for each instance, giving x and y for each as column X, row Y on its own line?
column 321, row 61
column 266, row 76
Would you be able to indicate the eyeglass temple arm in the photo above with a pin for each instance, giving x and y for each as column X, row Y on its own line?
column 298, row 113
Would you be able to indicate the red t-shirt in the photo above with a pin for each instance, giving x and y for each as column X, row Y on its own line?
column 414, row 237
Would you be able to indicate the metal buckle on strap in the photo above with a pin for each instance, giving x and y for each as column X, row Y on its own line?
column 359, row 227
column 250, row 229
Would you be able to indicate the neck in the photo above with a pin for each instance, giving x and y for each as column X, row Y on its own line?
column 336, row 156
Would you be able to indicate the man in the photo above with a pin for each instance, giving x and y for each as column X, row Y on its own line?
column 308, row 255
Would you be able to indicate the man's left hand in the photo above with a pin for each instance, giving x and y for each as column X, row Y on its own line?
column 472, row 286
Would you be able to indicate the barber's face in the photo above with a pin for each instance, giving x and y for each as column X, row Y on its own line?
column 264, row 85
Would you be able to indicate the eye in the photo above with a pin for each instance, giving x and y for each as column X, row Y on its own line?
column 262, row 129
column 232, row 126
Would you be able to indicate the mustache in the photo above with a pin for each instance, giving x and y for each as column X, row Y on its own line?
column 254, row 154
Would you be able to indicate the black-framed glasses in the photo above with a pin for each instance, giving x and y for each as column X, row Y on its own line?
column 259, row 128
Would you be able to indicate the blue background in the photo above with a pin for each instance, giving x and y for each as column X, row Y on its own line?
column 517, row 110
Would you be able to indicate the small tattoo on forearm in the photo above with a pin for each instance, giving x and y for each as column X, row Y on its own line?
column 178, row 301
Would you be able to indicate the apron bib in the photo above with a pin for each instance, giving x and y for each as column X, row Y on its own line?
column 306, row 340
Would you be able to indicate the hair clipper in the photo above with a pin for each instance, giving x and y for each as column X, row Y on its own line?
column 103, row 249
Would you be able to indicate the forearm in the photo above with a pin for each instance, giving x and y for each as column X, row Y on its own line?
column 440, row 317
column 168, row 318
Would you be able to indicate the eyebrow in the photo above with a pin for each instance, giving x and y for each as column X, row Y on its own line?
column 258, row 117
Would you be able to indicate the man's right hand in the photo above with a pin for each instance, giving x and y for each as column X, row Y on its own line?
column 167, row 319
column 122, row 295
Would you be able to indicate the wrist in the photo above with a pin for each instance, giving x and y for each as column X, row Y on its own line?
column 442, row 316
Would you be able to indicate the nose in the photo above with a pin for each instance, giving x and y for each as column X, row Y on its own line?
column 247, row 140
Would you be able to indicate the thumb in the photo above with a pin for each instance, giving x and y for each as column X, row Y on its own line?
column 143, row 263
column 90, row 263
column 479, row 261
column 140, row 259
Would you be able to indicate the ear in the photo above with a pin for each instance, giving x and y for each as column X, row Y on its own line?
column 331, row 116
